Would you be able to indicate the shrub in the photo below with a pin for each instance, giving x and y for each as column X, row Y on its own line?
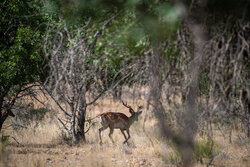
column 4, row 155
column 27, row 115
column 4, row 142
column 205, row 149
column 175, row 157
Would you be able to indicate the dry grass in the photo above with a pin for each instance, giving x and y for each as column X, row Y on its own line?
column 42, row 145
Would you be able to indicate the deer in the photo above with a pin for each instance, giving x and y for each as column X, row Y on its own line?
column 116, row 120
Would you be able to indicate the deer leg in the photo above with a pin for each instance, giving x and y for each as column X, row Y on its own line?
column 100, row 131
column 110, row 133
column 124, row 134
column 126, row 141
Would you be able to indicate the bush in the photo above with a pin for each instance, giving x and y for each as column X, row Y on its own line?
column 175, row 157
column 27, row 114
column 4, row 155
column 4, row 142
column 205, row 149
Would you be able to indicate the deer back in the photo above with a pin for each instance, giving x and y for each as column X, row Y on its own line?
column 115, row 120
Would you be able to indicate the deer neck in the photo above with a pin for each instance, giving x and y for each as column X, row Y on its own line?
column 131, row 120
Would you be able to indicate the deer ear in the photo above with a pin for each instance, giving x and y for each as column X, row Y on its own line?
column 140, row 107
column 131, row 111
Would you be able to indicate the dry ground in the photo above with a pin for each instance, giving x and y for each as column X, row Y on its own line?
column 42, row 145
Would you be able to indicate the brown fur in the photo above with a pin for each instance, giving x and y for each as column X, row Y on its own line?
column 117, row 121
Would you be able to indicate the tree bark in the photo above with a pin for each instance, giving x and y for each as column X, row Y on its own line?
column 81, row 121
column 73, row 122
column 2, row 119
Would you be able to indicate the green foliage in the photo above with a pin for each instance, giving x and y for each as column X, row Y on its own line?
column 175, row 158
column 205, row 149
column 3, row 143
column 22, row 30
column 75, row 11
column 123, row 41
column 204, row 83
column 156, row 20
column 129, row 35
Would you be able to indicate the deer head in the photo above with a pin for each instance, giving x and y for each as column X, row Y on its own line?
column 134, row 115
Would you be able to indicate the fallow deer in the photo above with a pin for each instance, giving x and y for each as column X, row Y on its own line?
column 115, row 120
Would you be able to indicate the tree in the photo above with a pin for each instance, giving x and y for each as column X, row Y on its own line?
column 77, row 77
column 21, row 60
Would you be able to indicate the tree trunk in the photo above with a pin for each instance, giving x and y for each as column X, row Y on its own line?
column 81, row 121
column 72, row 122
column 1, row 114
column 245, row 98
column 2, row 119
